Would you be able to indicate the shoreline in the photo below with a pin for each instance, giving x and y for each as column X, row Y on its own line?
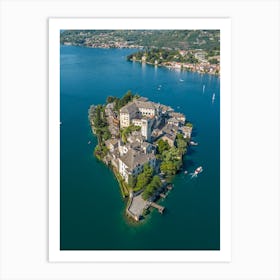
column 181, row 69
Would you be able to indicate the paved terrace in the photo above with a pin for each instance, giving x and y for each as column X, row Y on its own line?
column 137, row 206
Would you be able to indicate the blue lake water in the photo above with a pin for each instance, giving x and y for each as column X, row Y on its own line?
column 92, row 210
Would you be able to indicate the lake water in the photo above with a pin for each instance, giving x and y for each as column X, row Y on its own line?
column 92, row 210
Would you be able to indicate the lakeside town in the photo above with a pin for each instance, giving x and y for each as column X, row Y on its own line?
column 143, row 142
column 183, row 50
column 184, row 60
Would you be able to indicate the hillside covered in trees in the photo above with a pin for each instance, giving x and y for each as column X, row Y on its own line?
column 169, row 39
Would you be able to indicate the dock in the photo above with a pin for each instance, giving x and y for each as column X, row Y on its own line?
column 157, row 206
column 162, row 195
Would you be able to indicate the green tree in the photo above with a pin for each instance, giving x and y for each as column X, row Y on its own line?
column 142, row 181
column 126, row 131
column 213, row 61
column 162, row 146
column 110, row 99
column 172, row 154
column 131, row 181
column 144, row 178
column 148, row 170
column 168, row 167
column 151, row 187
column 156, row 182
column 106, row 134
column 181, row 143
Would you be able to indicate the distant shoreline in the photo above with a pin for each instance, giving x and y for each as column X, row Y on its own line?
column 170, row 67
column 175, row 68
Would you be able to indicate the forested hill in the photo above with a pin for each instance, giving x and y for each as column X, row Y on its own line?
column 170, row 39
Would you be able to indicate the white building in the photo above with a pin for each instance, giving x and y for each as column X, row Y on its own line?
column 137, row 122
column 136, row 110
column 146, row 128
column 127, row 113
column 173, row 121
column 146, row 108
column 187, row 131
column 132, row 163
column 179, row 116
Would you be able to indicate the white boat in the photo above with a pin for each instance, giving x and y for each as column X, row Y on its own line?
column 213, row 97
column 185, row 172
column 181, row 80
column 193, row 143
column 89, row 142
column 198, row 170
column 203, row 88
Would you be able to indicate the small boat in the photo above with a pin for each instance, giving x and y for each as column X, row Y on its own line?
column 193, row 143
column 198, row 170
column 185, row 172
column 60, row 123
column 89, row 142
column 213, row 97
column 181, row 80
column 203, row 88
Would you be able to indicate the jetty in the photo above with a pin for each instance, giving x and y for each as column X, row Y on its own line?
column 157, row 206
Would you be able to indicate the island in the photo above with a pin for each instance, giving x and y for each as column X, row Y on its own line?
column 143, row 142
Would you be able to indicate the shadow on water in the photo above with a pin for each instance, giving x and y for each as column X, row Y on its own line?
column 188, row 163
column 194, row 132
column 191, row 151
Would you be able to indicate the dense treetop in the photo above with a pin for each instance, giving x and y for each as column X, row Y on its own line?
column 169, row 39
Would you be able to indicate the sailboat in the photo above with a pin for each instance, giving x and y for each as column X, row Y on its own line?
column 213, row 97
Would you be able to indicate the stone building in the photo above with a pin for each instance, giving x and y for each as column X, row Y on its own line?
column 132, row 163
column 127, row 113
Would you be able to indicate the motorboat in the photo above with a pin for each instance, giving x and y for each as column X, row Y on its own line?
column 198, row 170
